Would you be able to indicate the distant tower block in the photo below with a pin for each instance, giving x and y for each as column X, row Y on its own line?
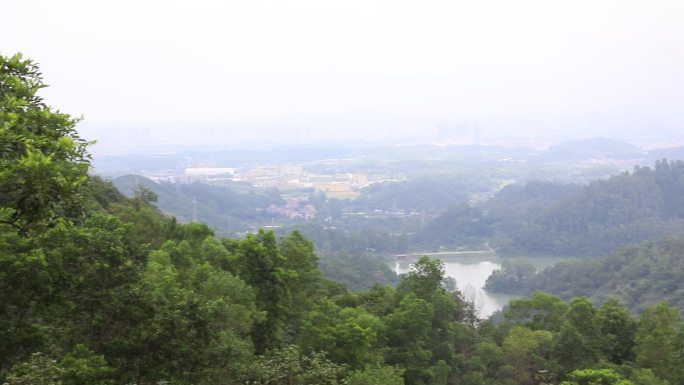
column 458, row 131
column 194, row 209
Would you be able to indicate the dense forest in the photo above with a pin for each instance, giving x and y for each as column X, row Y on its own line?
column 98, row 288
column 639, row 275
column 344, row 256
column 571, row 220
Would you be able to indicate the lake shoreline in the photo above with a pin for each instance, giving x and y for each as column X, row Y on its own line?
column 471, row 272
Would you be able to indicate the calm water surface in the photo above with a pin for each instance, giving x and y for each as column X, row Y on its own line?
column 471, row 273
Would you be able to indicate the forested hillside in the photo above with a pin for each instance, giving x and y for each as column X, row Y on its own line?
column 430, row 194
column 100, row 289
column 546, row 218
column 639, row 275
column 218, row 206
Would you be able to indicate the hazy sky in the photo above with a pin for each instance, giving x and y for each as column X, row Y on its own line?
column 141, row 63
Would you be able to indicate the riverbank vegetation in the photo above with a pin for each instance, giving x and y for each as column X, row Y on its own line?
column 639, row 275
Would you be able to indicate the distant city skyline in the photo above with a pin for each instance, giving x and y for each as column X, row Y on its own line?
column 539, row 133
column 212, row 72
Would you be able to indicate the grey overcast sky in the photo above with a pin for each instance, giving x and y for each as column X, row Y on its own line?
column 150, row 63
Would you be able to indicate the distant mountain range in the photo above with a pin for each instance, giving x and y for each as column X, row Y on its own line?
column 585, row 149
column 570, row 151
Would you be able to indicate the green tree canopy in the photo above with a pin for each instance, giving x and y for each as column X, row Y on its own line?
column 43, row 161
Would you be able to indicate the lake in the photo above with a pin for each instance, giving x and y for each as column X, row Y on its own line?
column 471, row 272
